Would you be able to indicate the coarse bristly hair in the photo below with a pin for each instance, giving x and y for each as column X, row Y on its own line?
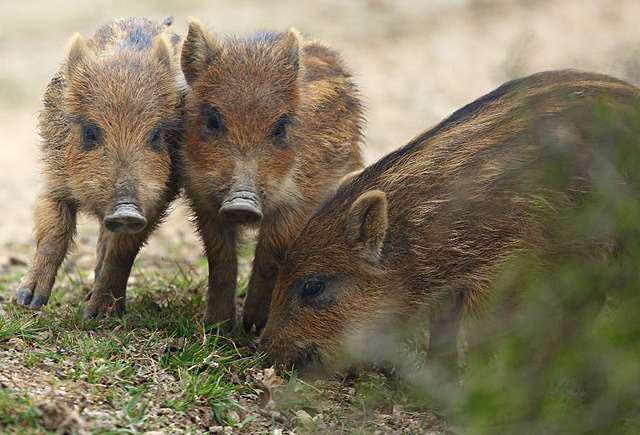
column 422, row 231
column 273, row 116
column 110, row 127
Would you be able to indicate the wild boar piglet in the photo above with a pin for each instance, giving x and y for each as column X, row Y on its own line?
column 421, row 233
column 110, row 129
column 273, row 121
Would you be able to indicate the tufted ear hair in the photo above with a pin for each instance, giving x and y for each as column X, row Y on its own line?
column 290, row 48
column 168, row 21
column 199, row 50
column 347, row 178
column 161, row 51
column 77, row 53
column 366, row 224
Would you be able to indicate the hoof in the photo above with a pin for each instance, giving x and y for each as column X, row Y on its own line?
column 101, row 311
column 249, row 320
column 220, row 328
column 222, row 321
column 37, row 302
column 23, row 298
column 247, row 325
column 93, row 314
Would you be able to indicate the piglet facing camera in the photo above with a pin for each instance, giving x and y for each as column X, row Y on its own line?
column 273, row 122
column 111, row 126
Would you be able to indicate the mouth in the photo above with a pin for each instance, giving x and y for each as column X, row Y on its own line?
column 305, row 360
column 309, row 364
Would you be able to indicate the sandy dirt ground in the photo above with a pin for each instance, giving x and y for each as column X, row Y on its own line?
column 415, row 62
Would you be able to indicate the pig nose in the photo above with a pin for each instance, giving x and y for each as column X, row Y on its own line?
column 242, row 207
column 125, row 218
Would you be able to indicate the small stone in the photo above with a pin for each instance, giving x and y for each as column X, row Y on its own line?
column 303, row 416
column 233, row 416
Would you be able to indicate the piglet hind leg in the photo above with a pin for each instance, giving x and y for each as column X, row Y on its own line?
column 55, row 223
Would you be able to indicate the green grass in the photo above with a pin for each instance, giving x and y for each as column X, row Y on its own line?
column 159, row 342
column 17, row 412
column 157, row 367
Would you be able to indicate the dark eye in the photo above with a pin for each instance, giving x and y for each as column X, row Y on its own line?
column 212, row 120
column 316, row 290
column 313, row 288
column 90, row 137
column 280, row 133
column 156, row 139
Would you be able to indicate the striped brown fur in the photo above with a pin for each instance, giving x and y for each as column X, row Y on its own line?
column 273, row 122
column 110, row 128
column 422, row 231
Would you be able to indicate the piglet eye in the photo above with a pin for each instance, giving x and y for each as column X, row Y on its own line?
column 156, row 136
column 89, row 134
column 313, row 288
column 90, row 137
column 212, row 120
column 156, row 139
column 280, row 134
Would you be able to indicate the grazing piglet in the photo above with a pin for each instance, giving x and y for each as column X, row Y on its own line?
column 273, row 121
column 422, row 231
column 110, row 128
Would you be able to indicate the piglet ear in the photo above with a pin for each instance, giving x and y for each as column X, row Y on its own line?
column 76, row 53
column 347, row 178
column 167, row 21
column 161, row 51
column 290, row 47
column 366, row 224
column 199, row 50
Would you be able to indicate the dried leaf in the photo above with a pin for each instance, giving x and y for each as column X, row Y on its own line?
column 165, row 377
column 177, row 344
column 57, row 416
column 18, row 261
column 271, row 380
column 201, row 330
column 265, row 394
column 160, row 351
column 274, row 415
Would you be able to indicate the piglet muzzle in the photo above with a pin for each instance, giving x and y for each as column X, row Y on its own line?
column 126, row 218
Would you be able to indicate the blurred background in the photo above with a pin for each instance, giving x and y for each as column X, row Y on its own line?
column 415, row 62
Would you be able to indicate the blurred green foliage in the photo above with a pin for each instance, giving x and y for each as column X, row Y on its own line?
column 559, row 349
